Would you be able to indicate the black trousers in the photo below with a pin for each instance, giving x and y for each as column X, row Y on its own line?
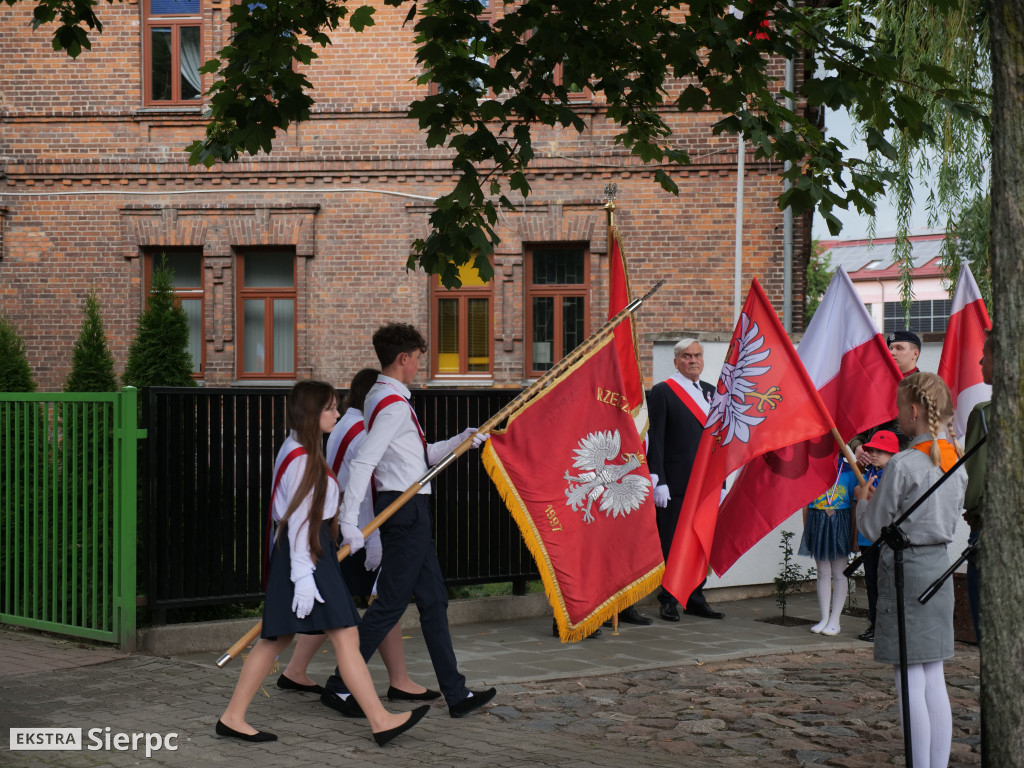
column 409, row 567
column 667, row 518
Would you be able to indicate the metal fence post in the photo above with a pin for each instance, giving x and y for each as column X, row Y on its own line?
column 127, row 436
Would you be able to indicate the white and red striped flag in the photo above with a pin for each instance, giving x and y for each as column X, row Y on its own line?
column 960, row 364
column 850, row 365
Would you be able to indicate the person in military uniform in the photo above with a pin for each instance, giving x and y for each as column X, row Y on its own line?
column 905, row 348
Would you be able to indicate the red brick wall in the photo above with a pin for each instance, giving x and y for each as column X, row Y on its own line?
column 115, row 180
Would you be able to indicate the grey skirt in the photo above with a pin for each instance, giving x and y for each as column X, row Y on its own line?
column 929, row 626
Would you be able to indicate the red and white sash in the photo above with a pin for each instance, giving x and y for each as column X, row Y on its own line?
column 354, row 431
column 688, row 395
column 292, row 455
column 397, row 397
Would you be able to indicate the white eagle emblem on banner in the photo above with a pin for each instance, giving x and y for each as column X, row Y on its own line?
column 618, row 491
column 728, row 415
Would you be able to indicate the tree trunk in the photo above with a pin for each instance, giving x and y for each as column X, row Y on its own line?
column 1002, row 540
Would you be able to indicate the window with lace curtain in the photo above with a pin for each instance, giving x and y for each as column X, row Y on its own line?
column 461, row 338
column 266, row 314
column 172, row 46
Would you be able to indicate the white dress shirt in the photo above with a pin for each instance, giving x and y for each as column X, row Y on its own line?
column 298, row 523
column 351, row 417
column 393, row 451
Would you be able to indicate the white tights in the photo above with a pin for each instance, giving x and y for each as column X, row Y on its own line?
column 832, row 590
column 931, row 719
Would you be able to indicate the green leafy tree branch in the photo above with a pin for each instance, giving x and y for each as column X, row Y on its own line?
column 495, row 86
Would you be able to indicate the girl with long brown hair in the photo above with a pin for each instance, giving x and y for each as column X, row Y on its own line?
column 305, row 590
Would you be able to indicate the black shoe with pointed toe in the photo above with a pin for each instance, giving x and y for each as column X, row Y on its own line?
column 224, row 730
column 290, row 685
column 397, row 694
column 383, row 737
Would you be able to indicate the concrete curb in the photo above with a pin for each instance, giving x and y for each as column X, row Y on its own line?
column 215, row 636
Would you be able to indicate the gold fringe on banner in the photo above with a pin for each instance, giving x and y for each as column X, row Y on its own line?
column 568, row 632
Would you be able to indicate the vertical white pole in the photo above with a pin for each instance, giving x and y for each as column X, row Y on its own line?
column 738, row 256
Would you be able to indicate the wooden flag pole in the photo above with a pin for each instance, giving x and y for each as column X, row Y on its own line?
column 845, row 449
column 523, row 397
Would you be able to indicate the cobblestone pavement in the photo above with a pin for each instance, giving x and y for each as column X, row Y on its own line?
column 823, row 704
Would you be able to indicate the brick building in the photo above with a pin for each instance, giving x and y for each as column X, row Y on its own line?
column 286, row 263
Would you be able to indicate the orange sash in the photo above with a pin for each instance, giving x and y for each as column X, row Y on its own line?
column 947, row 453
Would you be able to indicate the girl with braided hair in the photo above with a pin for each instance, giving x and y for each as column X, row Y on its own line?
column 925, row 415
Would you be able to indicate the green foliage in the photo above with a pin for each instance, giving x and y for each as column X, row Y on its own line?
column 970, row 245
column 495, row 85
column 938, row 45
column 159, row 354
column 819, row 274
column 92, row 364
column 15, row 372
column 792, row 577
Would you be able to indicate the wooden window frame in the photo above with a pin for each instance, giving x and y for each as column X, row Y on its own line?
column 192, row 294
column 268, row 294
column 557, row 291
column 176, row 23
column 462, row 295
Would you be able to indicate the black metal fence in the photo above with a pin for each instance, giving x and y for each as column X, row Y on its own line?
column 207, row 476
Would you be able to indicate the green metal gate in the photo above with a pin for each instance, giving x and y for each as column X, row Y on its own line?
column 68, row 503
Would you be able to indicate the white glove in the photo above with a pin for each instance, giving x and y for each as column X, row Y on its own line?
column 661, row 496
column 479, row 439
column 374, row 551
column 351, row 535
column 654, row 479
column 305, row 593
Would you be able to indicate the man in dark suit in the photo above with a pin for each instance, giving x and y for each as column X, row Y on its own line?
column 678, row 408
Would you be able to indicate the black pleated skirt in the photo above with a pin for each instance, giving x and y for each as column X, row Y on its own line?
column 336, row 611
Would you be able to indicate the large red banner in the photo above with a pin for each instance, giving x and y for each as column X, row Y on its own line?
column 570, row 465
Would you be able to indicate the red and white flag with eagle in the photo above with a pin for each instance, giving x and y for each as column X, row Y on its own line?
column 571, row 467
column 764, row 401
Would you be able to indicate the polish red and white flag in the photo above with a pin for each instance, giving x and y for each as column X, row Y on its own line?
column 960, row 364
column 764, row 402
column 849, row 364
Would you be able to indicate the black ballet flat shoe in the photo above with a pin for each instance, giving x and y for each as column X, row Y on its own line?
column 345, row 707
column 397, row 694
column 290, row 685
column 223, row 730
column 471, row 703
column 383, row 737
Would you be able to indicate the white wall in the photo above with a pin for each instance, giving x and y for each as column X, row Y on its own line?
column 762, row 563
